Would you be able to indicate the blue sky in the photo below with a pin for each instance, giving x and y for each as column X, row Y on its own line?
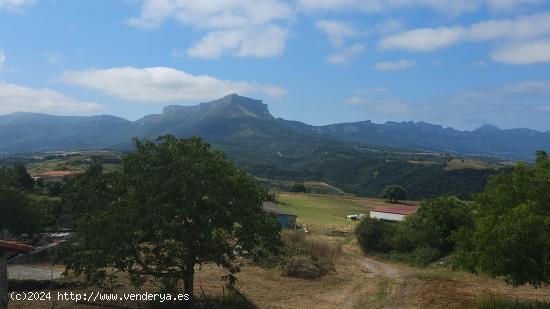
column 455, row 63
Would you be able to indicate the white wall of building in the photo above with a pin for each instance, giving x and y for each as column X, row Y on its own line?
column 386, row 216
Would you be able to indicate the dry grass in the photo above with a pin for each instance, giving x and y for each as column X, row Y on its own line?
column 311, row 256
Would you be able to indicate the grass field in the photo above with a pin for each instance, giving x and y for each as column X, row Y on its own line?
column 327, row 210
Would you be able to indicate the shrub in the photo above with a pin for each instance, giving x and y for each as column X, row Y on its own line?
column 374, row 235
column 394, row 193
column 308, row 258
column 302, row 267
column 298, row 187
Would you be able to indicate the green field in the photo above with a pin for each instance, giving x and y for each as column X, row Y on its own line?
column 316, row 209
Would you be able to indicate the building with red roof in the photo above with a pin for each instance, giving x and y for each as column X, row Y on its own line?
column 392, row 213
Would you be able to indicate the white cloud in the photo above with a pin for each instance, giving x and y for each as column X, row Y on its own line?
column 161, row 84
column 521, row 28
column 337, row 31
column 524, row 53
column 424, row 39
column 240, row 27
column 509, row 4
column 15, row 5
column 453, row 7
column 15, row 98
column 394, row 65
column 519, row 38
column 2, row 59
column 263, row 43
column 346, row 54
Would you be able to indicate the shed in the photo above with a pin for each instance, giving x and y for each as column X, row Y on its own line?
column 394, row 213
column 287, row 220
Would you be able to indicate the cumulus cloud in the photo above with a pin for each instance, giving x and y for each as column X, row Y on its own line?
column 424, row 39
column 240, row 27
column 15, row 98
column 266, row 42
column 521, row 28
column 162, row 84
column 522, row 40
column 524, row 53
column 15, row 5
column 394, row 65
column 346, row 54
column 337, row 31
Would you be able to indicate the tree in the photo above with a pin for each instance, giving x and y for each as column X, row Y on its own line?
column 23, row 178
column 374, row 235
column 394, row 193
column 174, row 205
column 298, row 188
column 437, row 219
column 16, row 216
column 511, row 235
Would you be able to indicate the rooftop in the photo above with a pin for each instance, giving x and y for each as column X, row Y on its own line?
column 398, row 209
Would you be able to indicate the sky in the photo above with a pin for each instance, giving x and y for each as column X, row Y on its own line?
column 455, row 63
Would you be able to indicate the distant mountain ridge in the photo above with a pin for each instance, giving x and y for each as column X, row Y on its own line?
column 237, row 119
column 487, row 140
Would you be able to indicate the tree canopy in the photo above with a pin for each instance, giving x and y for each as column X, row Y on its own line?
column 394, row 193
column 175, row 204
column 511, row 236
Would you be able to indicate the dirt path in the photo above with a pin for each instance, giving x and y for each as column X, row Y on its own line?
column 386, row 287
column 377, row 268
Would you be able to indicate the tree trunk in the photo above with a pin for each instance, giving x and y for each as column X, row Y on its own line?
column 188, row 280
column 3, row 280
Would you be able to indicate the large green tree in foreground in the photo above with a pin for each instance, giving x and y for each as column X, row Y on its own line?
column 511, row 237
column 175, row 204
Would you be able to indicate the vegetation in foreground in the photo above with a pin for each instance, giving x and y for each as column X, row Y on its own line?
column 422, row 238
column 174, row 205
column 504, row 233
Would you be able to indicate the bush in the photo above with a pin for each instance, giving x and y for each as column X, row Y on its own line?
column 298, row 188
column 308, row 258
column 394, row 193
column 303, row 267
column 374, row 235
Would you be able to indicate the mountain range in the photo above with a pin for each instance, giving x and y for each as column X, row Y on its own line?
column 360, row 158
column 235, row 117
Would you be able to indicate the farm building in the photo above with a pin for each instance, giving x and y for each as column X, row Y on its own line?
column 396, row 213
column 287, row 220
